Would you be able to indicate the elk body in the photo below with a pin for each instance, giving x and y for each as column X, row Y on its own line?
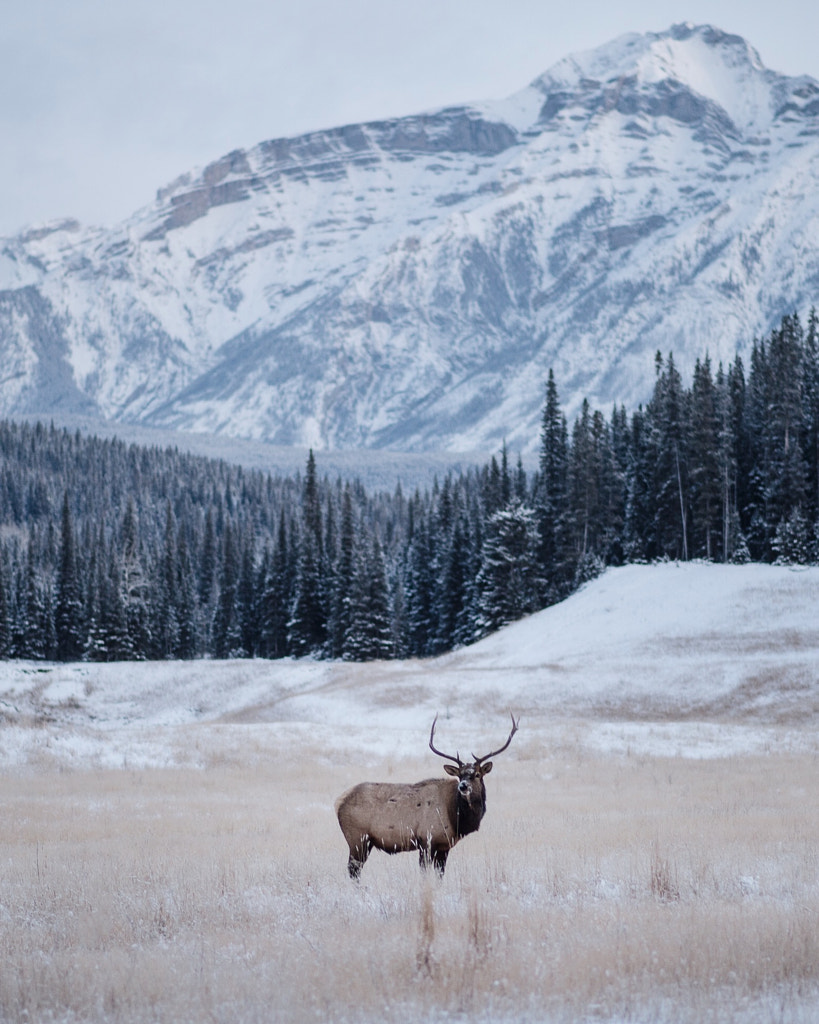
column 429, row 816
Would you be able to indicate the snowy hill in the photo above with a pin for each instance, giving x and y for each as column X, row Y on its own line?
column 407, row 284
column 697, row 659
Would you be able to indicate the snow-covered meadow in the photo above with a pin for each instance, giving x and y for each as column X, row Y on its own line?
column 696, row 660
column 169, row 849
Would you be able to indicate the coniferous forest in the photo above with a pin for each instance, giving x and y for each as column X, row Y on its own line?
column 112, row 551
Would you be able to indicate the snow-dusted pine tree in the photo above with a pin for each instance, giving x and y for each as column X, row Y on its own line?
column 508, row 580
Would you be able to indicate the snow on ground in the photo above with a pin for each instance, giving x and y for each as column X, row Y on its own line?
column 688, row 659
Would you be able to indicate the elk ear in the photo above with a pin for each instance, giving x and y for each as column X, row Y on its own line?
column 451, row 769
column 486, row 768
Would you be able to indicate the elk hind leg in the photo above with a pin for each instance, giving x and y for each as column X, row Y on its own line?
column 359, row 852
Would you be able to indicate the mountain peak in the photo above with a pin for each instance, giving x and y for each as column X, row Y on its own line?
column 715, row 65
column 677, row 52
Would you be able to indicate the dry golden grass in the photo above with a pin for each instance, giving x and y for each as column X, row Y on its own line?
column 604, row 889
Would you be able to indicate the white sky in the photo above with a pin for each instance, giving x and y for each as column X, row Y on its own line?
column 104, row 101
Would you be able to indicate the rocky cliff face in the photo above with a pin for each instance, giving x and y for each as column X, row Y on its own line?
column 408, row 283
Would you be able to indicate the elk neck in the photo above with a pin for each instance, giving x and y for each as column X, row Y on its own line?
column 470, row 807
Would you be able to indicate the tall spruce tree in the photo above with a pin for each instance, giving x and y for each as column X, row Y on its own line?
column 788, row 481
column 735, row 456
column 419, row 588
column 69, row 611
column 707, row 487
column 369, row 634
column 307, row 628
column 188, row 644
column 165, row 630
column 342, row 599
column 135, row 586
column 595, row 491
column 778, row 479
column 247, row 606
column 451, row 617
column 639, row 509
column 96, row 641
column 34, row 610
column 755, row 512
column 810, row 415
column 554, row 558
column 208, row 571
column 6, row 638
column 508, row 582
column 277, row 597
column 668, row 416
column 227, row 633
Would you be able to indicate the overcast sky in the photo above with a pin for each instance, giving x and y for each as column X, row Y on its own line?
column 102, row 101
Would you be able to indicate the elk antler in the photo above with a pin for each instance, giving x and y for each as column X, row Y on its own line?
column 500, row 750
column 440, row 753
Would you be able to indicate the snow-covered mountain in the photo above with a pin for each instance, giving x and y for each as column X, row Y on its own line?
column 407, row 284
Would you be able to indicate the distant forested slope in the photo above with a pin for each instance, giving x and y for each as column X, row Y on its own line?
column 115, row 551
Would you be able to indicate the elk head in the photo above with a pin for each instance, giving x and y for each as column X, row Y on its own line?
column 471, row 790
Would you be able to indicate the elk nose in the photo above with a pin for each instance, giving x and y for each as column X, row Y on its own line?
column 463, row 786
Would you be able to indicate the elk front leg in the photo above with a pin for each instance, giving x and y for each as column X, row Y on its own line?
column 436, row 858
column 439, row 861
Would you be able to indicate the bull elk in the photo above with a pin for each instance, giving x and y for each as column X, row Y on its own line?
column 429, row 816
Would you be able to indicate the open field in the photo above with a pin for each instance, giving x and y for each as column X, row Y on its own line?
column 169, row 850
column 608, row 888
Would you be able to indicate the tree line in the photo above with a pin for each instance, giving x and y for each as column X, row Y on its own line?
column 110, row 551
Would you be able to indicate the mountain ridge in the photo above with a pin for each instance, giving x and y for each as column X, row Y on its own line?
column 408, row 283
